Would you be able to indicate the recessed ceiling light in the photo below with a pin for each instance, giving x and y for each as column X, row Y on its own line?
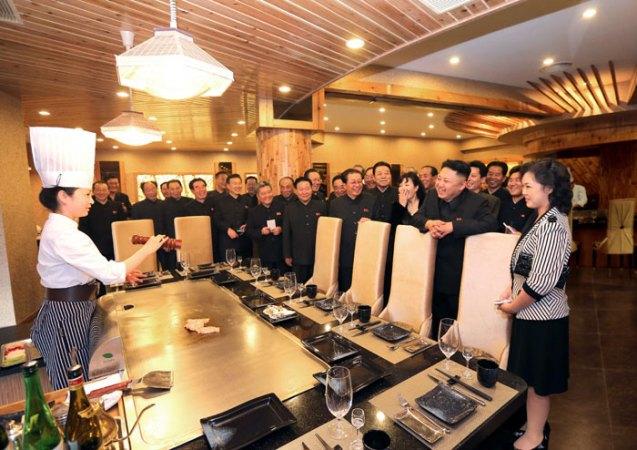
column 381, row 109
column 458, row 136
column 225, row 149
column 326, row 118
column 337, row 128
column 152, row 118
column 44, row 113
column 100, row 139
column 382, row 122
column 589, row 13
column 548, row 61
column 454, row 60
column 79, row 128
column 324, row 105
column 431, row 126
column 423, row 134
column 355, row 43
column 173, row 148
column 284, row 89
column 234, row 134
column 229, row 143
column 115, row 147
column 122, row 94
column 169, row 141
column 241, row 122
column 382, row 131
column 430, row 114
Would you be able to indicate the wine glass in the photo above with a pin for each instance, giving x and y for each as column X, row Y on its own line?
column 351, row 309
column 289, row 285
column 448, row 339
column 184, row 261
column 358, row 420
column 266, row 274
column 255, row 269
column 231, row 257
column 468, row 353
column 239, row 261
column 338, row 397
column 340, row 312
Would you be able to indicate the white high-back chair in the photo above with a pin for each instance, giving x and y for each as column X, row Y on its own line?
column 368, row 273
column 196, row 238
column 123, row 231
column 485, row 274
column 328, row 244
column 412, row 280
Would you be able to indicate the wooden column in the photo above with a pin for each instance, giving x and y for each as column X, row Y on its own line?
column 282, row 152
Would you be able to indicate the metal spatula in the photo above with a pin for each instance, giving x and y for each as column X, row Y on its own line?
column 156, row 379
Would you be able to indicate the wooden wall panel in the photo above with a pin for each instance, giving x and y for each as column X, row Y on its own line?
column 586, row 171
column 618, row 172
column 281, row 153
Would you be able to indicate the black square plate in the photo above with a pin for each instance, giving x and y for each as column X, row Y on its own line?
column 390, row 332
column 223, row 278
column 203, row 273
column 143, row 283
column 279, row 319
column 330, row 347
column 363, row 372
column 246, row 423
column 326, row 304
column 257, row 301
column 446, row 404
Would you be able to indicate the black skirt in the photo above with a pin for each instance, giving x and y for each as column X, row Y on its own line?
column 539, row 354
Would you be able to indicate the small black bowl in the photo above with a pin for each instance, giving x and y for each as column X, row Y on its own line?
column 487, row 372
column 275, row 274
column 376, row 440
column 364, row 313
column 311, row 290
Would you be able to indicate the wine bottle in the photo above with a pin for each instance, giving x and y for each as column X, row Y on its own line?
column 40, row 429
column 4, row 439
column 82, row 431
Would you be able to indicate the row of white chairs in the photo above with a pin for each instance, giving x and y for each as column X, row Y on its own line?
column 485, row 273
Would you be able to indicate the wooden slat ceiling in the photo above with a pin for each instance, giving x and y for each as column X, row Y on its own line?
column 62, row 58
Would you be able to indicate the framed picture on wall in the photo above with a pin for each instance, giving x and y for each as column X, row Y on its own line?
column 395, row 173
column 224, row 166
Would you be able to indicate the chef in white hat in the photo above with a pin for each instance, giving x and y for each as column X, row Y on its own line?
column 68, row 261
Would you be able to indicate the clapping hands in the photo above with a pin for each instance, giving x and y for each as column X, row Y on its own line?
column 438, row 228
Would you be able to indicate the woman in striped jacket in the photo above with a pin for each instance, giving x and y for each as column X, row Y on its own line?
column 539, row 268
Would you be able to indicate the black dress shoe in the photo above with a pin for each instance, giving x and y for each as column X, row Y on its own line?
column 547, row 432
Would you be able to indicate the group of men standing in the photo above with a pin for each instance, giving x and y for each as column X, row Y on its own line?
column 461, row 200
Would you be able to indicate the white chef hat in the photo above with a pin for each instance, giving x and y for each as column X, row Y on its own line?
column 63, row 157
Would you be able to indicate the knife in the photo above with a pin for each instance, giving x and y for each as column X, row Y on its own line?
column 367, row 329
column 455, row 389
column 365, row 325
column 476, row 391
column 322, row 441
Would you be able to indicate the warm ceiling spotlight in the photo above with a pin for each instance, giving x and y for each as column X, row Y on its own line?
column 355, row 43
column 100, row 139
column 431, row 126
column 589, row 13
column 229, row 143
column 382, row 131
column 454, row 60
column 458, row 136
column 326, row 118
column 430, row 114
column 225, row 149
column 241, row 122
column 173, row 148
column 337, row 128
column 284, row 89
column 44, row 113
column 152, row 118
column 115, row 147
column 234, row 134
column 122, row 94
column 169, row 141
column 381, row 109
column 382, row 122
column 548, row 61
column 423, row 134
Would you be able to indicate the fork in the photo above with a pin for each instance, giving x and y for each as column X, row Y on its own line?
column 400, row 344
column 405, row 404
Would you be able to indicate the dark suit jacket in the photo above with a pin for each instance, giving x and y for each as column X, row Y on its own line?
column 471, row 214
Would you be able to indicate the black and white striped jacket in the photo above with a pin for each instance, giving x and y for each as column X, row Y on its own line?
column 539, row 266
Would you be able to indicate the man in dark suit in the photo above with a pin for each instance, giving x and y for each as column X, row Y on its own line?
column 300, row 221
column 496, row 178
column 318, row 191
column 286, row 191
column 265, row 227
column 174, row 206
column 151, row 208
column 474, row 184
column 354, row 207
column 115, row 195
column 214, row 196
column 251, row 192
column 451, row 213
column 231, row 217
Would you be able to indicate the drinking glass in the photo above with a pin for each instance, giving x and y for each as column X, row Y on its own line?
column 340, row 312
column 184, row 261
column 338, row 397
column 231, row 257
column 255, row 269
column 351, row 309
column 468, row 353
column 289, row 284
column 358, row 420
column 239, row 261
column 448, row 339
column 266, row 274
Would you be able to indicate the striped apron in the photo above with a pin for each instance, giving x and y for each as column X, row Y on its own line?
column 61, row 326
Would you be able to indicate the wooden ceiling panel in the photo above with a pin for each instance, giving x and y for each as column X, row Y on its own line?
column 61, row 59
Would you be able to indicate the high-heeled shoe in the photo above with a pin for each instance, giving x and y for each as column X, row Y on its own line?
column 547, row 431
column 544, row 445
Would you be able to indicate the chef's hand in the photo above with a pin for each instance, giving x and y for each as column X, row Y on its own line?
column 232, row 234
column 154, row 243
column 265, row 231
column 134, row 276
column 277, row 230
column 288, row 261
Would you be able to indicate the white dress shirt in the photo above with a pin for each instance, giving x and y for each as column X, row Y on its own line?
column 67, row 257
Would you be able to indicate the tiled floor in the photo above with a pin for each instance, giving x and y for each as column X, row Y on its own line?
column 600, row 409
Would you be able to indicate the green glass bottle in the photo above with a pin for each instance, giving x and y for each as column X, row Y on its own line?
column 82, row 430
column 4, row 439
column 40, row 429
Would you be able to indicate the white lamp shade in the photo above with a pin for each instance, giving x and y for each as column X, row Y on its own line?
column 131, row 128
column 171, row 66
